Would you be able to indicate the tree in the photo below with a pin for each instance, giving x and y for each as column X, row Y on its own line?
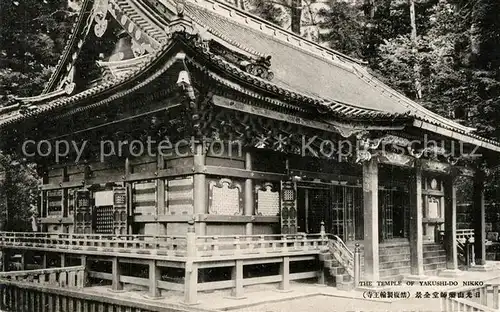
column 32, row 36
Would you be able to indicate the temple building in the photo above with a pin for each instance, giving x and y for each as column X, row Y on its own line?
column 184, row 146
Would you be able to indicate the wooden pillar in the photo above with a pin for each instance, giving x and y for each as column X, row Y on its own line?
column 450, row 227
column 116, row 284
column 479, row 219
column 249, row 195
column 191, row 269
column 154, row 276
column 200, row 188
column 237, row 276
column 160, row 192
column 371, row 231
column 416, row 228
column 285, row 274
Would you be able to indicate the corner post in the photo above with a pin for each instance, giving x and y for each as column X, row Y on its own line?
column 479, row 220
column 249, row 196
column 450, row 227
column 191, row 270
column 199, row 187
column 370, row 207
column 416, row 228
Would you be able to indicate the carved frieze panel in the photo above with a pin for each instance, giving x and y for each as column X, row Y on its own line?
column 179, row 196
column 267, row 200
column 225, row 197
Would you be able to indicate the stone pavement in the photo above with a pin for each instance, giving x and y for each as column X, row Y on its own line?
column 308, row 297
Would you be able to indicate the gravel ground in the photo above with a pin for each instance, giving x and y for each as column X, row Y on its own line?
column 320, row 304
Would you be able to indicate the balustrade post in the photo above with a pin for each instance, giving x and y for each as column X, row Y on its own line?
column 116, row 284
column 496, row 303
column 285, row 274
column 473, row 256
column 154, row 276
column 467, row 252
column 237, row 276
column 191, row 269
column 357, row 265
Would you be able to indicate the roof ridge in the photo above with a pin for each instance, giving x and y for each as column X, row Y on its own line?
column 365, row 74
column 276, row 31
column 69, row 44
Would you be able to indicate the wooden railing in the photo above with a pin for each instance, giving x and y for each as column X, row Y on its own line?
column 67, row 277
column 482, row 303
column 170, row 246
column 463, row 234
column 341, row 253
column 241, row 245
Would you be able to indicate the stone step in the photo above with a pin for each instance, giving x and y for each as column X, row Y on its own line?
column 397, row 277
column 394, row 264
column 391, row 258
column 337, row 271
column 432, row 247
column 341, row 278
column 345, row 286
column 434, row 253
column 395, row 271
column 438, row 259
column 385, row 251
column 331, row 263
column 434, row 266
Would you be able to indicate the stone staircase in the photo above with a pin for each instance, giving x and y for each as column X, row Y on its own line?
column 335, row 273
column 338, row 265
column 395, row 260
column 434, row 259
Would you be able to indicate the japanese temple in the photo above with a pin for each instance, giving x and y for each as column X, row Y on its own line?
column 279, row 160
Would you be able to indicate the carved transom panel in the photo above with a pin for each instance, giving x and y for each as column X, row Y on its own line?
column 179, row 196
column 268, row 200
column 225, row 197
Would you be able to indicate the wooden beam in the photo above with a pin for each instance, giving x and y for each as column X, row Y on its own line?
column 371, row 219
column 294, row 119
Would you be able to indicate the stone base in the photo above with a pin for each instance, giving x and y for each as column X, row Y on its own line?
column 190, row 304
column 415, row 278
column 481, row 268
column 283, row 290
column 450, row 273
column 116, row 291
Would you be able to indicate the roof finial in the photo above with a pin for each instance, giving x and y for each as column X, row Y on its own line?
column 180, row 8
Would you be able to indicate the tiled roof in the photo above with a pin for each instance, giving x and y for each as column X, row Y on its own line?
column 308, row 69
column 301, row 68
